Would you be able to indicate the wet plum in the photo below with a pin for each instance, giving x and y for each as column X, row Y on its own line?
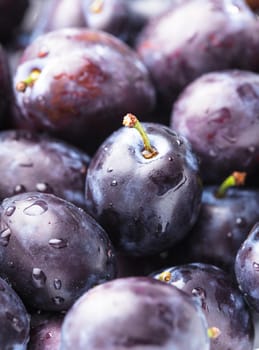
column 52, row 251
column 196, row 37
column 222, row 226
column 221, row 301
column 136, row 313
column 32, row 162
column 75, row 83
column 14, row 319
column 218, row 114
column 146, row 202
column 247, row 267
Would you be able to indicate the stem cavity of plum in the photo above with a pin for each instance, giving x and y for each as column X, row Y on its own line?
column 235, row 179
column 131, row 121
column 29, row 81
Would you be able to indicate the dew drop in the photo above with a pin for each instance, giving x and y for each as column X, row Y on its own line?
column 38, row 277
column 58, row 300
column 251, row 149
column 240, row 221
column 199, row 292
column 57, row 283
column 58, row 243
column 48, row 335
column 19, row 189
column 212, row 153
column 39, row 207
column 43, row 187
column 109, row 170
column 229, row 234
column 256, row 266
column 15, row 322
column 114, row 183
column 110, row 253
column 5, row 237
column 10, row 210
column 179, row 142
column 170, row 159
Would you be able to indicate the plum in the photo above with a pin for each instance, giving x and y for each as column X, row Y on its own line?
column 218, row 114
column 222, row 303
column 33, row 162
column 136, row 313
column 145, row 201
column 14, row 319
column 76, row 83
column 52, row 251
column 196, row 37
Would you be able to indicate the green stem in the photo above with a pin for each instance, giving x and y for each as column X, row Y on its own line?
column 235, row 179
column 29, row 81
column 132, row 121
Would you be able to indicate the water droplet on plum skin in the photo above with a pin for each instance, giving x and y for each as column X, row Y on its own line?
column 38, row 277
column 39, row 207
column 10, row 210
column 58, row 300
column 58, row 243
column 57, row 283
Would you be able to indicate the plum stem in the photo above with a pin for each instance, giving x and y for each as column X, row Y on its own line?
column 29, row 81
column 235, row 179
column 131, row 121
column 96, row 6
column 213, row 332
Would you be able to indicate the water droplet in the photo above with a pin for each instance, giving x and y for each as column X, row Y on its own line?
column 240, row 221
column 200, row 292
column 43, row 187
column 43, row 52
column 39, row 207
column 229, row 234
column 10, row 210
column 58, row 300
column 48, row 335
column 110, row 204
column 15, row 322
column 10, row 264
column 5, row 236
column 170, row 159
column 38, row 277
column 110, row 253
column 58, row 243
column 109, row 170
column 57, row 283
column 256, row 266
column 19, row 189
column 179, row 142
column 114, row 183
column 251, row 149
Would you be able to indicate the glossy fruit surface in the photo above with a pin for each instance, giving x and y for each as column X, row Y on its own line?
column 14, row 319
column 52, row 251
column 41, row 163
column 85, row 81
column 196, row 37
column 247, row 267
column 217, row 113
column 222, row 226
column 221, row 301
column 145, row 205
column 136, row 313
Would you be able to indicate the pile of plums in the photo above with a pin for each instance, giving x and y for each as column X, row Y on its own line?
column 129, row 167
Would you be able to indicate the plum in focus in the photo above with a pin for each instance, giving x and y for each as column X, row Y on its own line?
column 52, row 251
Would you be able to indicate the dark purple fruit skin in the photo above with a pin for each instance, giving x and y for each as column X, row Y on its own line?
column 32, row 162
column 11, row 14
column 51, row 251
column 218, row 114
column 222, row 303
column 222, row 226
column 57, row 14
column 148, row 314
column 247, row 267
column 197, row 37
column 145, row 205
column 45, row 334
column 14, row 319
column 6, row 93
column 89, row 80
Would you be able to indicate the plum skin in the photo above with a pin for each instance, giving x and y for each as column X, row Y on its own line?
column 145, row 205
column 147, row 315
column 39, row 231
column 217, row 113
column 88, row 80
